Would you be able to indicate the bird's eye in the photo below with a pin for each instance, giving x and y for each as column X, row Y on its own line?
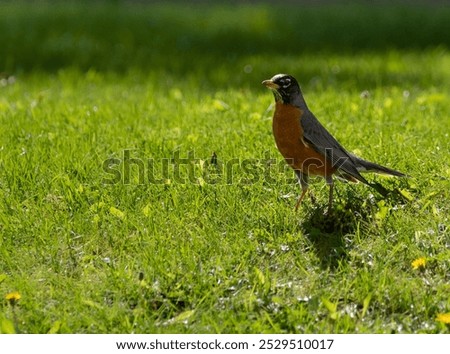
column 286, row 83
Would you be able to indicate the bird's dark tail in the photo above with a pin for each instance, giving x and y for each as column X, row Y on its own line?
column 367, row 166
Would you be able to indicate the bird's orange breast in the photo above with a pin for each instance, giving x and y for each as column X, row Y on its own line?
column 288, row 133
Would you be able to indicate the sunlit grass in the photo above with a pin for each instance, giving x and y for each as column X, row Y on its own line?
column 217, row 247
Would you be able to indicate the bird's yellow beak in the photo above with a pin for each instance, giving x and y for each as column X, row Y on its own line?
column 270, row 84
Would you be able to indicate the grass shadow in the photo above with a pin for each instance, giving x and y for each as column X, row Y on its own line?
column 330, row 232
column 118, row 36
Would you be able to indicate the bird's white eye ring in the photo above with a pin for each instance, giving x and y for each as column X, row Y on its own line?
column 287, row 82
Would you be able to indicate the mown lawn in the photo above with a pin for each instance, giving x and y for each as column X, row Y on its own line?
column 115, row 218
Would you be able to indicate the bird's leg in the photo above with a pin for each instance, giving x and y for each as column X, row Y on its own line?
column 329, row 180
column 303, row 181
column 300, row 199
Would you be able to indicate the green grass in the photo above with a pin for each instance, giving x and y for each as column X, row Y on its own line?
column 218, row 248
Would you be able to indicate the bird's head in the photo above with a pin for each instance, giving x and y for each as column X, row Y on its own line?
column 285, row 88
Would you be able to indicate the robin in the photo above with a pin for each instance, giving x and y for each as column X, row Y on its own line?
column 308, row 147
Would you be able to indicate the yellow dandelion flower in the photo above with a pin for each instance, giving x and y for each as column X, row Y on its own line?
column 13, row 297
column 419, row 263
column 443, row 317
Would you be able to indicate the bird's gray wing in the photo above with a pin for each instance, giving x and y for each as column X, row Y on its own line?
column 323, row 142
